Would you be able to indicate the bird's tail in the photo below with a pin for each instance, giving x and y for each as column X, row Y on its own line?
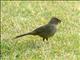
column 30, row 33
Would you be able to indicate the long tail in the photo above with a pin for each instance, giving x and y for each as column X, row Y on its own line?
column 30, row 33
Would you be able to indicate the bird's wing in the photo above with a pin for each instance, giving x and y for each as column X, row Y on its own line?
column 41, row 29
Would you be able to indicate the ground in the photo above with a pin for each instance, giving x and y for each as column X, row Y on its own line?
column 19, row 17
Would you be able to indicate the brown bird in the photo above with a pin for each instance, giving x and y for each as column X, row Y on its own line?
column 45, row 31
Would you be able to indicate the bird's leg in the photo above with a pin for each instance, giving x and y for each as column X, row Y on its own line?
column 47, row 39
column 43, row 39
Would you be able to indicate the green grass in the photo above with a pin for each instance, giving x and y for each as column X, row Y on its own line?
column 20, row 17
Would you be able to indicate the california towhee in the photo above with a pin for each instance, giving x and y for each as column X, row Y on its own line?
column 45, row 31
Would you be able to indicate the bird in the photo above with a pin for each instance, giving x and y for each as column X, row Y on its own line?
column 44, row 31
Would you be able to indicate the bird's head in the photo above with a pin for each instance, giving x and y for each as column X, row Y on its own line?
column 54, row 20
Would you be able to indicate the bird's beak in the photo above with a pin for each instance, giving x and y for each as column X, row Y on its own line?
column 59, row 21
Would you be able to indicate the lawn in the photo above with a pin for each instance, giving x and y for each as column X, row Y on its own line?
column 18, row 17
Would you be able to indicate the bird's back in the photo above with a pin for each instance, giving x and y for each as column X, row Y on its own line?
column 45, row 31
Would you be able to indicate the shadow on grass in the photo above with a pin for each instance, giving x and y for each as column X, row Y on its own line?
column 27, row 46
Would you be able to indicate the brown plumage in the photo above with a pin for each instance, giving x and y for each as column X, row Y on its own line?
column 45, row 31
